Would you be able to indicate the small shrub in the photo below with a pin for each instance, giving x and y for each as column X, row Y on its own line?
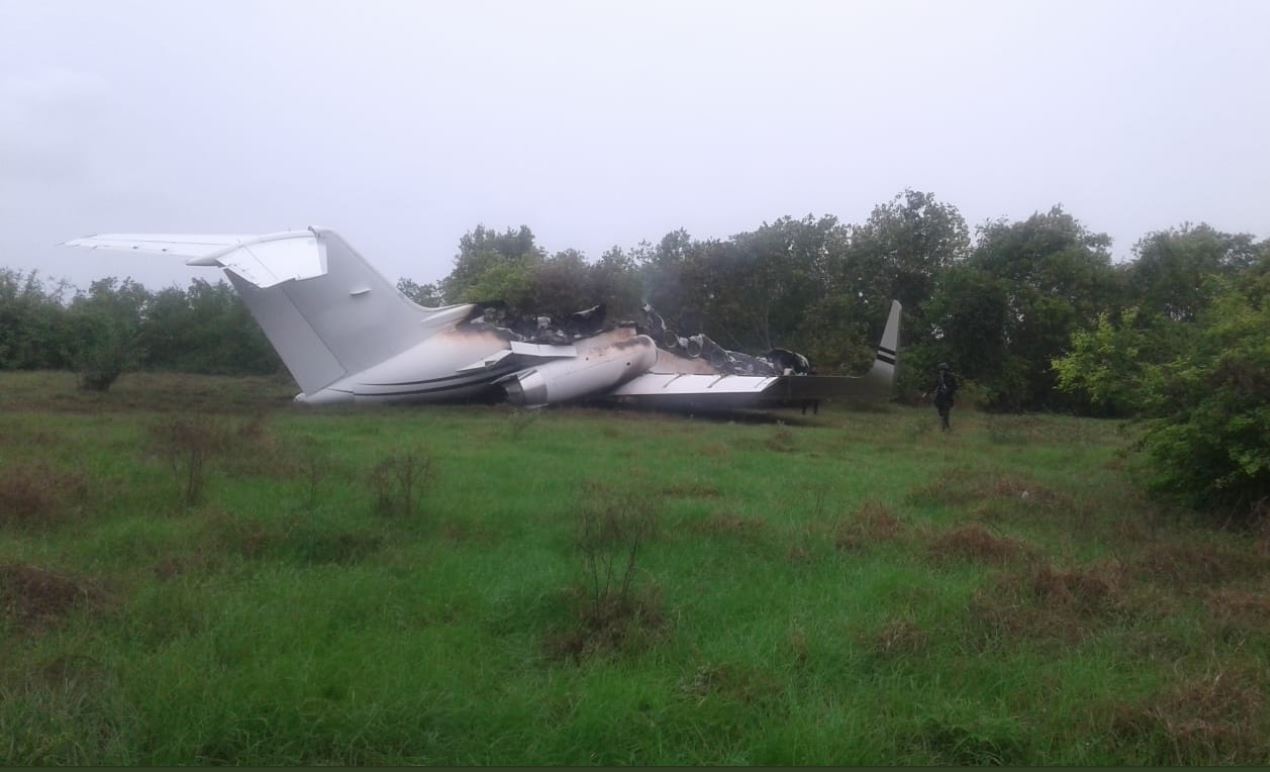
column 612, row 529
column 613, row 611
column 188, row 444
column 399, row 482
column 312, row 466
column 1210, row 445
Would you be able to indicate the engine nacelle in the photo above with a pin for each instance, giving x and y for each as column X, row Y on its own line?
column 592, row 370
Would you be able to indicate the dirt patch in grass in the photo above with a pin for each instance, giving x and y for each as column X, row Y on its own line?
column 898, row 637
column 34, row 494
column 745, row 685
column 728, row 525
column 966, row 487
column 176, row 566
column 693, row 489
column 70, row 669
column 1196, row 563
column 1048, row 603
column 873, row 523
column 460, row 532
column 294, row 538
column 781, row 440
column 951, row 743
column 715, row 450
column 1219, row 718
column 1239, row 612
column 1086, row 591
column 976, row 543
column 34, row 599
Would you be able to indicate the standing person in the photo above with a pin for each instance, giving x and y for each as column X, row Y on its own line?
column 945, row 388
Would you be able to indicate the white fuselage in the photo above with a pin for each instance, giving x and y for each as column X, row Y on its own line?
column 450, row 366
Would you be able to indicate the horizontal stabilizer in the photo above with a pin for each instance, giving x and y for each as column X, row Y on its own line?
column 262, row 260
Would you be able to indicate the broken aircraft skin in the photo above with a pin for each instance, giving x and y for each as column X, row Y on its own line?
column 347, row 335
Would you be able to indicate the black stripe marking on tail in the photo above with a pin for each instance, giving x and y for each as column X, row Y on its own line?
column 890, row 360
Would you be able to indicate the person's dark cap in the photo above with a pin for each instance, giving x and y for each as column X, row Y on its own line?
column 943, row 366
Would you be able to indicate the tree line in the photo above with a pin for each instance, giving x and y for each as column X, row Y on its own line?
column 1033, row 314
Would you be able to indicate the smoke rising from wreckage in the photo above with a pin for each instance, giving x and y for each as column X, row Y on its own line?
column 347, row 335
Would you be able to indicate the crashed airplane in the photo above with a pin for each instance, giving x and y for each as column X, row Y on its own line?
column 349, row 336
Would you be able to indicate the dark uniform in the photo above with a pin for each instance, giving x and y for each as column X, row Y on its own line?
column 945, row 390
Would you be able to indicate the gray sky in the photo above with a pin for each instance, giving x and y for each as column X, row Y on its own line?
column 404, row 124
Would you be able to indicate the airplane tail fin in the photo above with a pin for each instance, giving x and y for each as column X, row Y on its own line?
column 888, row 348
column 325, row 310
column 341, row 322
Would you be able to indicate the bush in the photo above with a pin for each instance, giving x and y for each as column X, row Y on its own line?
column 107, row 321
column 188, row 443
column 398, row 482
column 1211, row 447
column 612, row 529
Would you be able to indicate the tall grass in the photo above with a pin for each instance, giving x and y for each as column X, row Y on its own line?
column 853, row 588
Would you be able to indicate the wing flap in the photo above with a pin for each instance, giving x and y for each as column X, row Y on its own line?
column 678, row 384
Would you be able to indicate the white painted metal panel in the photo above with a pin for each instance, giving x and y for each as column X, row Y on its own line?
column 263, row 260
column 671, row 384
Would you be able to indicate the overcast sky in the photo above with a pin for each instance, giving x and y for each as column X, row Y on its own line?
column 404, row 124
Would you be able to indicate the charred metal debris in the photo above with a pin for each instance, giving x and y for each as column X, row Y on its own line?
column 591, row 321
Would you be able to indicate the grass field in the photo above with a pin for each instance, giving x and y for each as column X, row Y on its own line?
column 850, row 588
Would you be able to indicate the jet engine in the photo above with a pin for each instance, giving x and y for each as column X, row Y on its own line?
column 592, row 370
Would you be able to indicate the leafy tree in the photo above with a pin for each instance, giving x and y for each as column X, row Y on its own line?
column 1211, row 446
column 494, row 266
column 970, row 313
column 560, row 284
column 107, row 323
column 427, row 295
column 1105, row 365
column 1026, row 288
column 899, row 252
column 1170, row 274
column 615, row 281
column 204, row 328
column 34, row 330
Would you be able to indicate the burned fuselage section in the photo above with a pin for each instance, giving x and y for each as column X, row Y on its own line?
column 694, row 354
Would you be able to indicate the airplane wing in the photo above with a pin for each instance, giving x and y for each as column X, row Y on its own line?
column 263, row 260
column 728, row 392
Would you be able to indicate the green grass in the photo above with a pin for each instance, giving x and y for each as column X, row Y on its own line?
column 815, row 592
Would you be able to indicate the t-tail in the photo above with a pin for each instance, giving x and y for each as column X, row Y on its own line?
column 325, row 310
